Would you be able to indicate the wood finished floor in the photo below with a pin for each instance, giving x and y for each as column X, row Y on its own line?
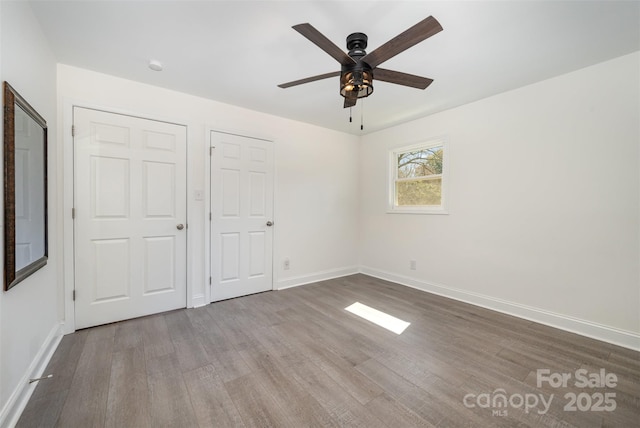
column 296, row 358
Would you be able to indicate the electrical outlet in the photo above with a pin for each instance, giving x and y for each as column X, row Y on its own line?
column 286, row 264
column 412, row 264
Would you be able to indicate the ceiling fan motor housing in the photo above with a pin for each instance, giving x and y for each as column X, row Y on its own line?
column 356, row 81
column 357, row 43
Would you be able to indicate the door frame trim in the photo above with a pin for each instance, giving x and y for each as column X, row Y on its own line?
column 207, row 203
column 65, row 187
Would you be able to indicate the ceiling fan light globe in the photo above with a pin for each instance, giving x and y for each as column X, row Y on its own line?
column 365, row 91
column 356, row 82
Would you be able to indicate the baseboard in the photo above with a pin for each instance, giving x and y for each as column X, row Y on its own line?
column 295, row 281
column 20, row 397
column 198, row 300
column 626, row 339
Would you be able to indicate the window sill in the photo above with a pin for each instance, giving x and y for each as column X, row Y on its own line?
column 434, row 211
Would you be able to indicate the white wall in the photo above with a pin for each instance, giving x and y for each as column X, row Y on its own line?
column 544, row 203
column 29, row 317
column 316, row 173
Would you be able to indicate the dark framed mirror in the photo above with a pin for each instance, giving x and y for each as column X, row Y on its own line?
column 25, row 189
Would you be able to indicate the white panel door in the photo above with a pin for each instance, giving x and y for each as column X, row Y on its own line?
column 242, row 215
column 130, row 216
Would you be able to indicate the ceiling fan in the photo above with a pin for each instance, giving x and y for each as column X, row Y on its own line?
column 360, row 68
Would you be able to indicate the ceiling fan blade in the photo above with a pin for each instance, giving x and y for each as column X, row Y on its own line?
column 351, row 99
column 399, row 78
column 309, row 79
column 414, row 35
column 323, row 43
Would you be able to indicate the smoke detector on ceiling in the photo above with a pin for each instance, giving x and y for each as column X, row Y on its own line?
column 155, row 65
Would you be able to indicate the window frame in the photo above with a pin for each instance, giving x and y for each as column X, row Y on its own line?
column 392, row 206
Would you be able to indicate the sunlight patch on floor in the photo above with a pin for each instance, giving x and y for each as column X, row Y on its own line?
column 382, row 319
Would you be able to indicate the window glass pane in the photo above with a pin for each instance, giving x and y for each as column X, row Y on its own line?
column 419, row 192
column 420, row 163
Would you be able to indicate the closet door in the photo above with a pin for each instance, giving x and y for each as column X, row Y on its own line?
column 242, row 215
column 130, row 216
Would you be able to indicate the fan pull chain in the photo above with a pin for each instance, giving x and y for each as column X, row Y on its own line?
column 350, row 116
column 362, row 114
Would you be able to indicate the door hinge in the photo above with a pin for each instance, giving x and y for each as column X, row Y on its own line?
column 73, row 130
column 74, row 295
column 73, row 213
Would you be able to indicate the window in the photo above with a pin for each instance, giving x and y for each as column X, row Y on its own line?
column 418, row 178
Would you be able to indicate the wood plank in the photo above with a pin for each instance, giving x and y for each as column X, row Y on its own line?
column 299, row 406
column 339, row 369
column 86, row 403
column 211, row 402
column 102, row 332
column 412, row 366
column 412, row 397
column 169, row 401
column 190, row 354
column 128, row 334
column 63, row 365
column 343, row 408
column 155, row 337
column 128, row 400
column 392, row 413
column 313, row 325
column 43, row 411
column 271, row 360
column 256, row 404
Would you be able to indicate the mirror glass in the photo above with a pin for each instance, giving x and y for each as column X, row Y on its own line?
column 25, row 201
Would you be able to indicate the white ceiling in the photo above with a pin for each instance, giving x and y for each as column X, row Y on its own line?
column 237, row 51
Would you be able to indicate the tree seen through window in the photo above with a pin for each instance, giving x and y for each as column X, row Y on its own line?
column 419, row 177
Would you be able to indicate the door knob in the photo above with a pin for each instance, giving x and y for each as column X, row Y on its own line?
column 180, row 226
column 269, row 223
